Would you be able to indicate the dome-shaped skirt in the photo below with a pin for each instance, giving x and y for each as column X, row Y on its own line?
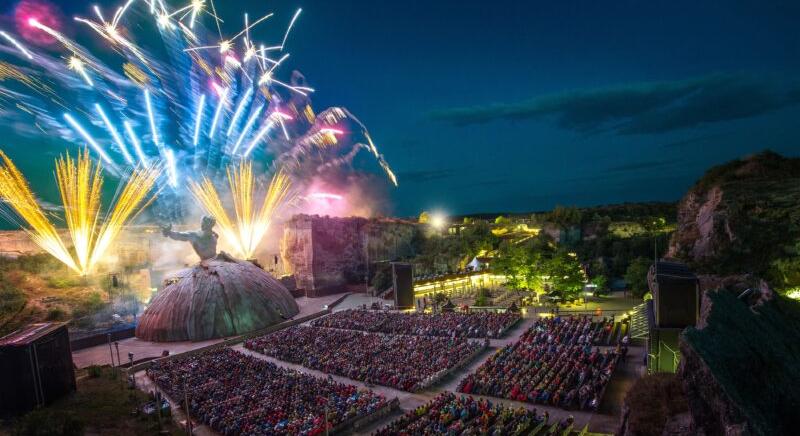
column 217, row 298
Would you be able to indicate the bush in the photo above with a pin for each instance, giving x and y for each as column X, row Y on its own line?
column 483, row 298
column 636, row 276
column 56, row 314
column 45, row 422
column 12, row 300
column 62, row 282
column 94, row 303
column 94, row 371
column 35, row 263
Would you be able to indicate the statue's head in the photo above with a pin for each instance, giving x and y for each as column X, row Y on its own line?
column 208, row 223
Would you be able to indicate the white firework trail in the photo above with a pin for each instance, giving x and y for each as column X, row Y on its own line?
column 266, row 118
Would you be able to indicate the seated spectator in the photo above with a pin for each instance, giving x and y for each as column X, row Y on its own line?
column 238, row 394
column 451, row 324
column 450, row 414
column 552, row 363
column 402, row 362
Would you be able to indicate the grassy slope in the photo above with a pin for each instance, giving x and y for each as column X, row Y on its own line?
column 101, row 405
column 755, row 357
column 37, row 288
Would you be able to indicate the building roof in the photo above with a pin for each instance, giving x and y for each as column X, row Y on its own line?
column 669, row 271
column 29, row 334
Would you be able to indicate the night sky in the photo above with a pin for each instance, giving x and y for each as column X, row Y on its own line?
column 500, row 106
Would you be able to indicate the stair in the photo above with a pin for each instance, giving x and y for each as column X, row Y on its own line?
column 639, row 328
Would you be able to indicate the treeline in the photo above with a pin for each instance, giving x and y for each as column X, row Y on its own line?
column 596, row 245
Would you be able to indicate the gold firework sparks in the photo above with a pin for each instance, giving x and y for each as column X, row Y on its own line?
column 245, row 230
column 80, row 183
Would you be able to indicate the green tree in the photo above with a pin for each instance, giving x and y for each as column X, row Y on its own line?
column 599, row 276
column 636, row 276
column 512, row 262
column 566, row 217
column 477, row 238
column 483, row 298
column 502, row 221
column 601, row 283
column 566, row 274
column 784, row 273
column 424, row 217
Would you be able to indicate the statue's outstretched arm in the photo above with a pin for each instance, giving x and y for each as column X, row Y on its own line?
column 178, row 236
column 181, row 236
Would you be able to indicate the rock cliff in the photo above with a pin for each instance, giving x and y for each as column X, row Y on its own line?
column 740, row 216
column 325, row 254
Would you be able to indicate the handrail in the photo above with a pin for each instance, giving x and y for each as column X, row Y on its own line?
column 675, row 355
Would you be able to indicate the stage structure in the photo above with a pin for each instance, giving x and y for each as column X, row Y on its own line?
column 403, row 283
column 219, row 297
column 675, row 306
column 35, row 367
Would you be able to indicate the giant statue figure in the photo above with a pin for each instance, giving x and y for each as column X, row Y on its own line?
column 204, row 242
column 218, row 297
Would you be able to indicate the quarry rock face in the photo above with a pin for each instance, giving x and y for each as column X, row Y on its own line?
column 218, row 297
column 740, row 216
column 325, row 254
column 740, row 366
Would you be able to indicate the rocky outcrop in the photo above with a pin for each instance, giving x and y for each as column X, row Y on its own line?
column 328, row 253
column 740, row 216
column 740, row 366
column 655, row 405
column 219, row 297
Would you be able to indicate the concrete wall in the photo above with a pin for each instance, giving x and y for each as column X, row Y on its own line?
column 327, row 253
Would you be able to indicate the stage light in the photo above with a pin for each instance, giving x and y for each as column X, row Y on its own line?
column 438, row 221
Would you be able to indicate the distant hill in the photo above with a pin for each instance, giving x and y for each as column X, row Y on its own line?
column 741, row 217
column 616, row 212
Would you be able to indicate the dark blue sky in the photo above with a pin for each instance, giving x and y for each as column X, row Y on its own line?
column 521, row 105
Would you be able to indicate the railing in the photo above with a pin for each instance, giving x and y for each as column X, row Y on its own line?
column 639, row 328
column 654, row 360
column 676, row 355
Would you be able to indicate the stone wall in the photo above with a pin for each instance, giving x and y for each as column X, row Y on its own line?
column 328, row 253
column 15, row 243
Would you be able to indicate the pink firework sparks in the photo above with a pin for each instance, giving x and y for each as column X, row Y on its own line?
column 29, row 11
column 326, row 196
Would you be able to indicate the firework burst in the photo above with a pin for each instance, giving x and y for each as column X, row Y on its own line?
column 202, row 103
column 80, row 183
column 205, row 101
column 247, row 228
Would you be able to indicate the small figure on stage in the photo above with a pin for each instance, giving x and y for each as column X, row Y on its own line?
column 204, row 242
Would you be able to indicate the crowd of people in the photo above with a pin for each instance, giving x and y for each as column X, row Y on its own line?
column 463, row 415
column 553, row 363
column 402, row 362
column 449, row 324
column 238, row 394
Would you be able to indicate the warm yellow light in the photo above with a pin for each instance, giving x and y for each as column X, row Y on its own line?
column 80, row 184
column 245, row 230
column 438, row 221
